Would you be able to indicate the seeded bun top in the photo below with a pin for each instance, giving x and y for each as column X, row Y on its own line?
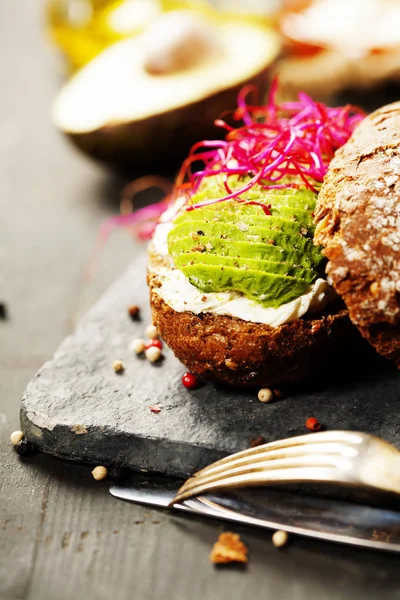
column 358, row 224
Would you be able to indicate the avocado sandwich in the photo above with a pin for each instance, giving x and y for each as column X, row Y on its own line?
column 237, row 285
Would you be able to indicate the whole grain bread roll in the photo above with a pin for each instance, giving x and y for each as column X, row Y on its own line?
column 358, row 224
column 244, row 354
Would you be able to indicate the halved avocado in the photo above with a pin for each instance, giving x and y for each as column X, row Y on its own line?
column 116, row 110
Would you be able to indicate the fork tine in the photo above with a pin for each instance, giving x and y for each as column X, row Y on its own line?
column 269, row 457
column 265, row 476
column 251, row 471
column 301, row 440
column 267, row 454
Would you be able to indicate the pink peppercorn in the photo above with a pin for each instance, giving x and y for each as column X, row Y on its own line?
column 190, row 381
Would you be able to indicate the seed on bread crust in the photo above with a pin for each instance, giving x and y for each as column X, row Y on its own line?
column 231, row 364
column 358, row 223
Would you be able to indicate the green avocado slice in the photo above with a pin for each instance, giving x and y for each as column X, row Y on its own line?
column 235, row 245
column 245, row 222
column 303, row 216
column 250, row 215
column 300, row 198
column 241, row 231
column 276, row 202
column 279, row 268
column 267, row 289
column 245, row 249
column 215, row 233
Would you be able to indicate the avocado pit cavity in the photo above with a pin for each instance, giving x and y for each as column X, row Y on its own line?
column 178, row 41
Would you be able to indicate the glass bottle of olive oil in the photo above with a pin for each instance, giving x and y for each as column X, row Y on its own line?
column 83, row 28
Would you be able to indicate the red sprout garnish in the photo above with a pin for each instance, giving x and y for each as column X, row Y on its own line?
column 280, row 145
column 265, row 207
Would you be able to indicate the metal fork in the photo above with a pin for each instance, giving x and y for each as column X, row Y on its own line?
column 338, row 457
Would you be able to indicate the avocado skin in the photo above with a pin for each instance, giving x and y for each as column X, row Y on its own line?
column 268, row 256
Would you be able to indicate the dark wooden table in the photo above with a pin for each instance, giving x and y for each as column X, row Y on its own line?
column 62, row 536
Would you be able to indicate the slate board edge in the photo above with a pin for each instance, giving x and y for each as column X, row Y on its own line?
column 139, row 455
column 96, row 445
column 197, row 427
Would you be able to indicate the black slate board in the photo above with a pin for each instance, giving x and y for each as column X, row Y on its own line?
column 78, row 408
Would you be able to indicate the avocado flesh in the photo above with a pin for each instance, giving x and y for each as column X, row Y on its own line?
column 285, row 237
column 287, row 212
column 249, row 214
column 246, row 222
column 231, row 245
column 231, row 232
column 300, row 198
column 254, row 264
column 267, row 289
column 242, row 249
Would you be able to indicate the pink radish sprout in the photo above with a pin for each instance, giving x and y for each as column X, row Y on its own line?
column 280, row 145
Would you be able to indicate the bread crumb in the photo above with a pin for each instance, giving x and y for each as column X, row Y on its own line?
column 228, row 548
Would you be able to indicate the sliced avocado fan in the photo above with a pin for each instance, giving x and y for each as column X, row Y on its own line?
column 231, row 245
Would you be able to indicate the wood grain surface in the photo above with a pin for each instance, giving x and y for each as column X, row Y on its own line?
column 62, row 536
